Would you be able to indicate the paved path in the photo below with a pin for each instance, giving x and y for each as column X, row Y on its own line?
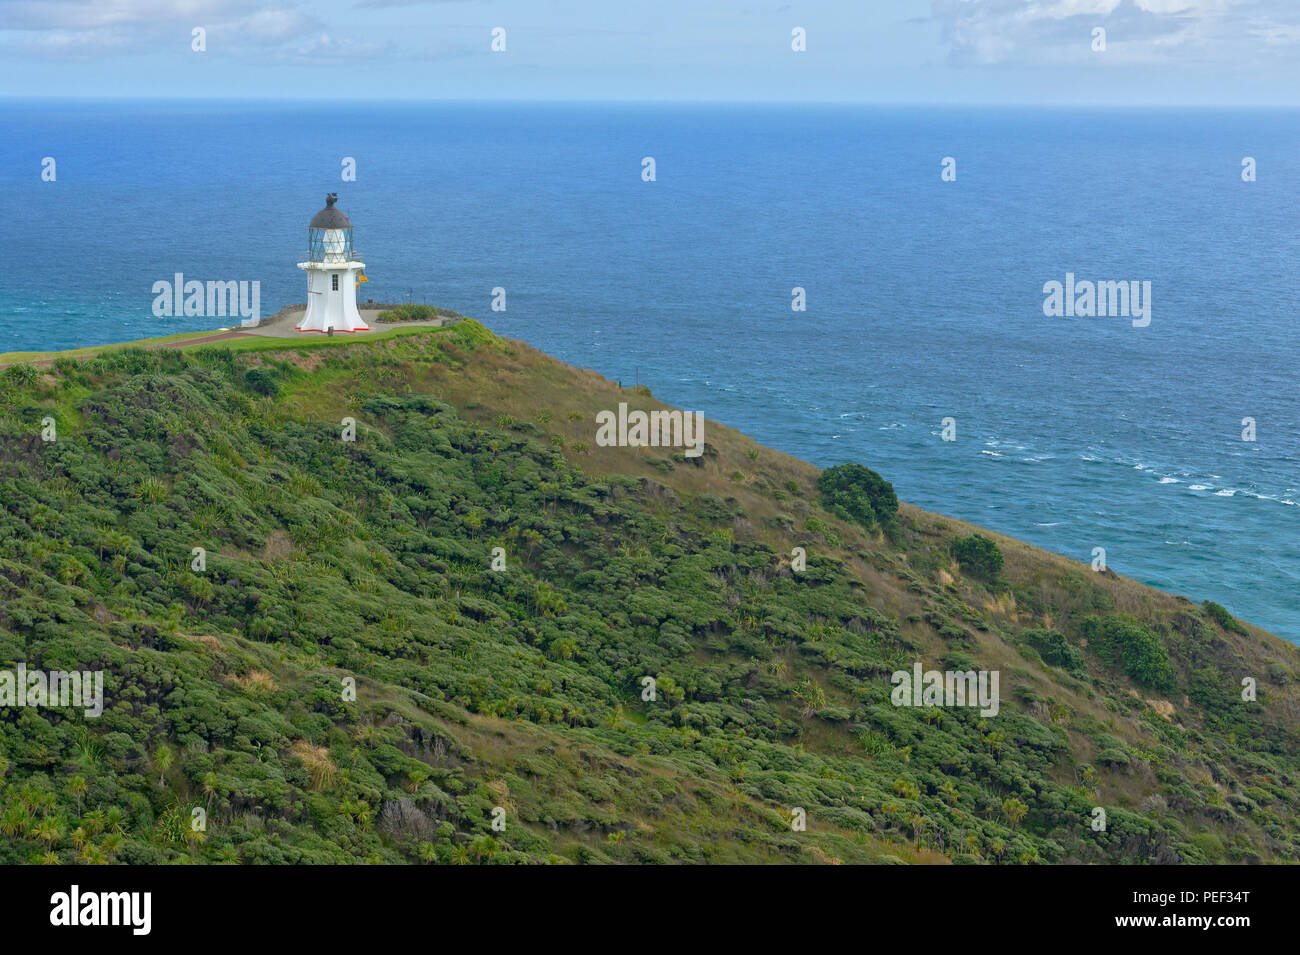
column 283, row 323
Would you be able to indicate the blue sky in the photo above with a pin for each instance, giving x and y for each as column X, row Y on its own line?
column 1195, row 52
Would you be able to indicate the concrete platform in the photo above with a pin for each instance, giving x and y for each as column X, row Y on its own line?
column 281, row 324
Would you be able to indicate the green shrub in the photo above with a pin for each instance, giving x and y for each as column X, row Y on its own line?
column 1219, row 614
column 1113, row 757
column 1055, row 649
column 856, row 493
column 416, row 313
column 408, row 313
column 1122, row 641
column 22, row 374
column 68, row 367
column 260, row 381
column 978, row 555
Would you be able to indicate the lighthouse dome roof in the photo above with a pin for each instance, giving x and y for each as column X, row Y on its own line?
column 330, row 217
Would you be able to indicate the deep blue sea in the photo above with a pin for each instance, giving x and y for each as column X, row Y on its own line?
column 924, row 297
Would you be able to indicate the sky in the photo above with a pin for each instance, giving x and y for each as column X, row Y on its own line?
column 1159, row 52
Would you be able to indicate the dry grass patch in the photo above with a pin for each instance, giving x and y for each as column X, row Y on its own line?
column 316, row 760
column 255, row 681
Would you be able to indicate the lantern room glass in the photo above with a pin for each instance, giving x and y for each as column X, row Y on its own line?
column 334, row 245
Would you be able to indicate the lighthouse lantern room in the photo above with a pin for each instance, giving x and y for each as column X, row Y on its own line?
column 333, row 270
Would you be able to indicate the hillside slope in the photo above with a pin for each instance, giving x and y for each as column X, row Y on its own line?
column 516, row 694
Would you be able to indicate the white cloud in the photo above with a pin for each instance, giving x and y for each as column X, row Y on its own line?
column 324, row 45
column 270, row 26
column 85, row 28
column 1229, row 33
column 96, row 14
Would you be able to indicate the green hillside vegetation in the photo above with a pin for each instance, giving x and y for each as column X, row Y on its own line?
column 370, row 561
column 416, row 313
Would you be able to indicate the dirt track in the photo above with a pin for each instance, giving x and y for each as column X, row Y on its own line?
column 221, row 336
column 279, row 325
column 200, row 341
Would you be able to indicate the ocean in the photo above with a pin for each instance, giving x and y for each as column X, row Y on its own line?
column 924, row 297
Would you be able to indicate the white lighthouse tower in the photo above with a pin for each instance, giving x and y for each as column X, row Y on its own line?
column 332, row 272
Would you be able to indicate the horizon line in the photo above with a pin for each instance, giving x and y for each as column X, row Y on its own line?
column 561, row 101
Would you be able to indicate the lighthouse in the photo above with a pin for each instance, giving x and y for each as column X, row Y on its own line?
column 332, row 269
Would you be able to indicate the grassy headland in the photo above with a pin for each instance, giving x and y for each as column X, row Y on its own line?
column 369, row 561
